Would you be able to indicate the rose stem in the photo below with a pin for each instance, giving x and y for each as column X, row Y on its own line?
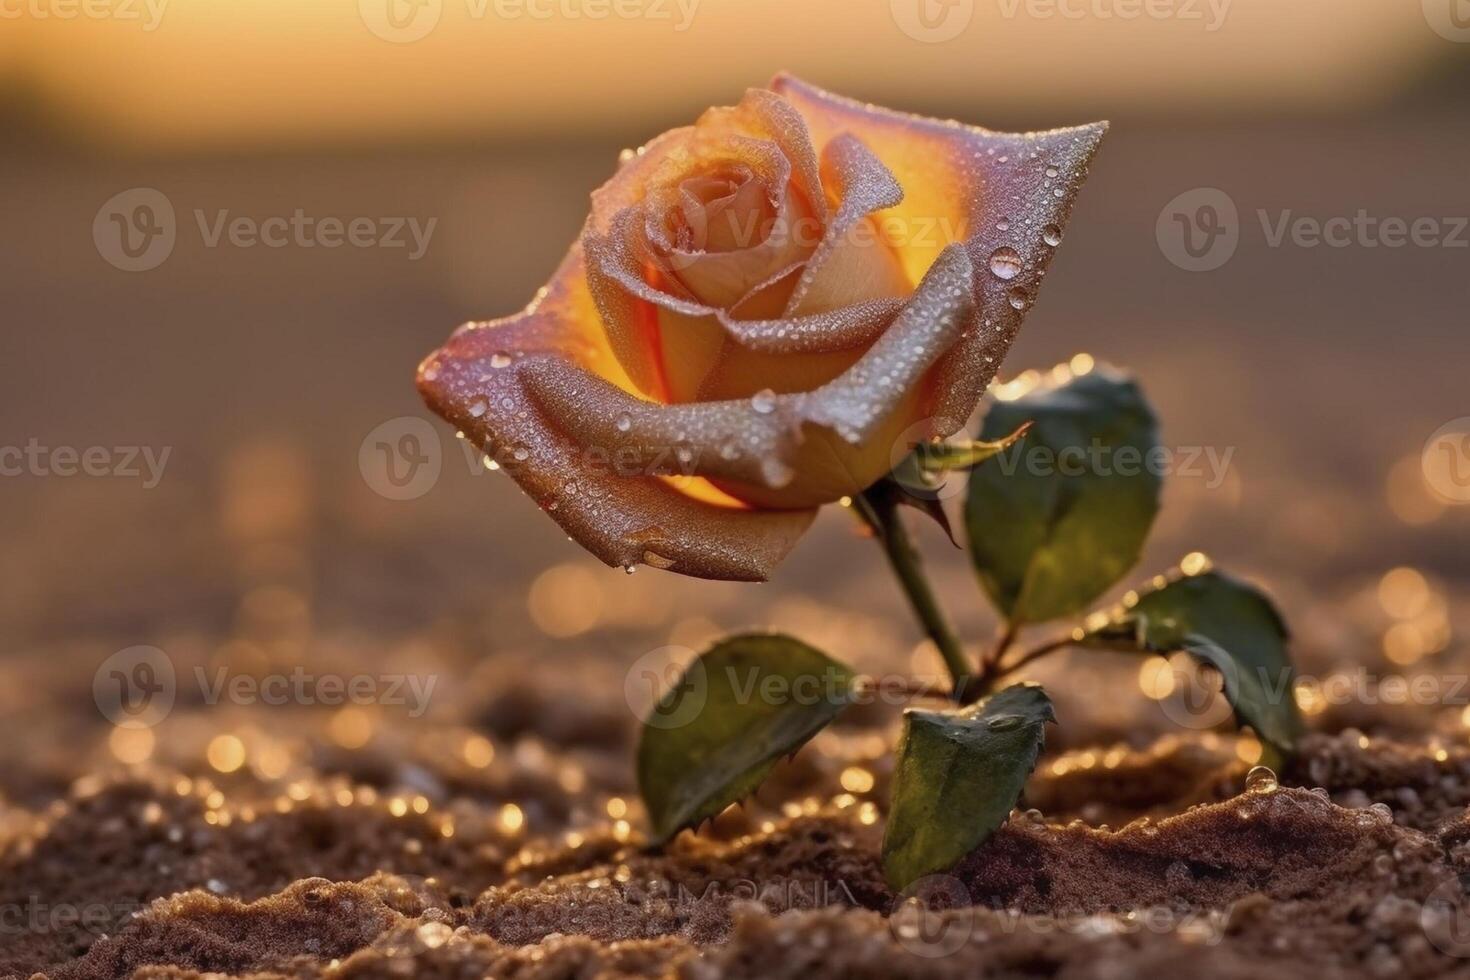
column 880, row 513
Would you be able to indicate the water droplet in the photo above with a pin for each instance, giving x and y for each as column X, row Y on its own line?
column 433, row 934
column 625, row 422
column 521, row 453
column 478, row 407
column 763, row 401
column 1052, row 235
column 1058, row 193
column 1004, row 224
column 1051, row 171
column 1261, row 779
column 1019, row 298
column 1005, row 263
column 1004, row 723
column 500, row 359
column 630, row 569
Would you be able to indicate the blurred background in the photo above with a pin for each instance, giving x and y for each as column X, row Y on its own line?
column 230, row 394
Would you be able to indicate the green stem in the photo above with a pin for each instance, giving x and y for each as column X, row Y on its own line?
column 881, row 515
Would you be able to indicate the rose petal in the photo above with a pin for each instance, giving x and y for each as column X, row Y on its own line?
column 779, row 450
column 477, row 381
column 991, row 191
column 675, row 346
column 849, row 327
column 852, row 263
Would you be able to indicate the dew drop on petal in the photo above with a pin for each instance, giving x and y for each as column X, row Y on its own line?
column 763, row 401
column 500, row 359
column 1019, row 298
column 625, row 422
column 1052, row 235
column 478, row 407
column 1005, row 263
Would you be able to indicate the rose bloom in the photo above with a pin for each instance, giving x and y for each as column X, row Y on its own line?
column 765, row 312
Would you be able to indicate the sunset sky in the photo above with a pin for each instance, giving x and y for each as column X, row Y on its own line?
column 223, row 73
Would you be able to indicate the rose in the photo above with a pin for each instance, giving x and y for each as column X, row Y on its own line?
column 763, row 309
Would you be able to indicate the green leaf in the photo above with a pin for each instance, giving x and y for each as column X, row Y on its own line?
column 1059, row 518
column 1233, row 627
column 734, row 712
column 959, row 775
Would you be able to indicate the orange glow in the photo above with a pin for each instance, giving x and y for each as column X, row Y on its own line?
column 279, row 71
